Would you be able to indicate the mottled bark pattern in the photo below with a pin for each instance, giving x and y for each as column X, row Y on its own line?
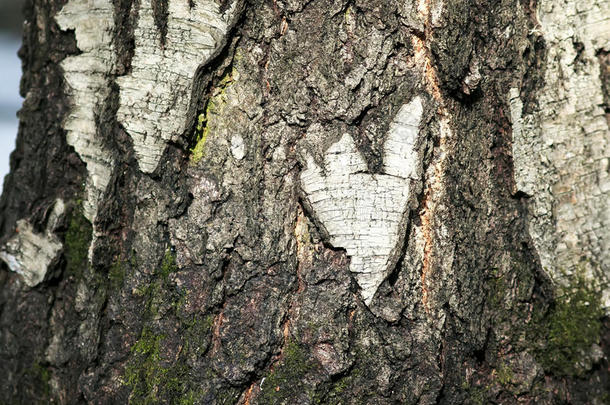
column 212, row 274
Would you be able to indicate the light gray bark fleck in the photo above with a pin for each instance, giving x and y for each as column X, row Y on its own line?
column 29, row 253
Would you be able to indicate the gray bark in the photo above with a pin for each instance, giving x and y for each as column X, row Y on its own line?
column 313, row 202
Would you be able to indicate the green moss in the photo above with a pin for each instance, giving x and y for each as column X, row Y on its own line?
column 76, row 242
column 475, row 394
column 504, row 374
column 116, row 275
column 156, row 291
column 497, row 288
column 153, row 374
column 153, row 377
column 339, row 391
column 197, row 335
column 144, row 373
column 188, row 399
column 478, row 395
column 571, row 327
column 226, row 81
column 151, row 381
column 133, row 260
column 148, row 344
column 39, row 377
column 286, row 381
column 201, row 134
column 348, row 13
column 168, row 265
column 227, row 396
column 179, row 304
column 213, row 107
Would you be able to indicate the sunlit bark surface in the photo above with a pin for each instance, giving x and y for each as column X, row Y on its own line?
column 309, row 202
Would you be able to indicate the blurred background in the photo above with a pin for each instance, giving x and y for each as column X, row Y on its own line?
column 11, row 22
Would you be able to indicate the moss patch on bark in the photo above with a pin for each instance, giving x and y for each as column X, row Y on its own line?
column 77, row 241
column 149, row 377
column 571, row 328
column 214, row 106
column 286, row 381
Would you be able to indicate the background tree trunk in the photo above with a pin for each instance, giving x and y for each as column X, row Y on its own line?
column 309, row 202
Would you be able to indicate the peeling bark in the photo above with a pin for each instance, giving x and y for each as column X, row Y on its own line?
column 560, row 147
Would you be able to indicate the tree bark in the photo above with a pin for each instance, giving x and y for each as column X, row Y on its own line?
column 312, row 202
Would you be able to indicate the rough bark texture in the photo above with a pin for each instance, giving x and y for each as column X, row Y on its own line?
column 312, row 202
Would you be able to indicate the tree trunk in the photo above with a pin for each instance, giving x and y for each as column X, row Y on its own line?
column 309, row 202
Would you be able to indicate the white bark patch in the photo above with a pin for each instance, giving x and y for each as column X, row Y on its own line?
column 155, row 97
column 29, row 254
column 238, row 147
column 561, row 152
column 362, row 212
column 88, row 85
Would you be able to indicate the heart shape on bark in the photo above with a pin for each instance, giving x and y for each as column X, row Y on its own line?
column 363, row 212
